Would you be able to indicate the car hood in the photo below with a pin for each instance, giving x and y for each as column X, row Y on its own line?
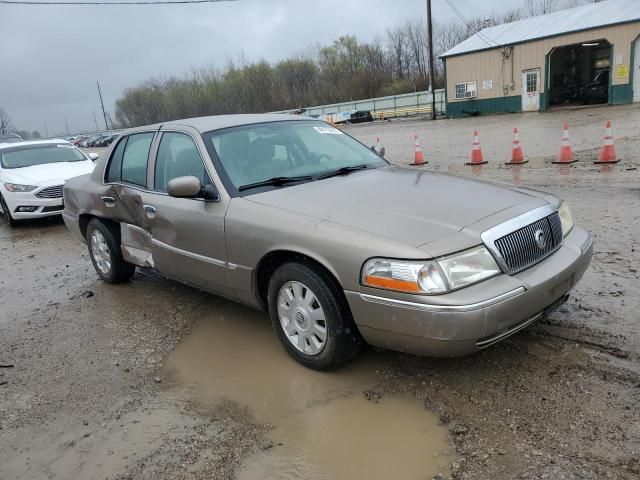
column 48, row 173
column 407, row 205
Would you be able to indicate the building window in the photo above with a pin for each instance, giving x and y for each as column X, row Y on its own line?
column 532, row 82
column 466, row 90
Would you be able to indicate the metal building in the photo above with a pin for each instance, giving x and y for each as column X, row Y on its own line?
column 582, row 55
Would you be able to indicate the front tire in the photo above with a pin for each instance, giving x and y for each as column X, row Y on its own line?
column 7, row 214
column 311, row 317
column 104, row 249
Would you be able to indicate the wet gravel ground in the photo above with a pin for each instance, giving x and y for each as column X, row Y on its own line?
column 84, row 394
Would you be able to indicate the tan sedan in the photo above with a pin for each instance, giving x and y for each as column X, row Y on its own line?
column 292, row 215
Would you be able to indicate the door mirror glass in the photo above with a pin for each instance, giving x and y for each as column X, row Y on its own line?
column 184, row 187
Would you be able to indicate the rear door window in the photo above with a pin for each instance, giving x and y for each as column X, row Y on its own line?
column 114, row 174
column 135, row 158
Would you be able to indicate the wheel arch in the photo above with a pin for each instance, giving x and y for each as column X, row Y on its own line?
column 85, row 218
column 270, row 262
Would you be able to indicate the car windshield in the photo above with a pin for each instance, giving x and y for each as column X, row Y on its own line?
column 260, row 152
column 28, row 156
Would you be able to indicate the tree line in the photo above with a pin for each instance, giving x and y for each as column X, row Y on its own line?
column 348, row 69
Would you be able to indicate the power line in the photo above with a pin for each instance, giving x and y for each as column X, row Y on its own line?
column 120, row 2
column 481, row 35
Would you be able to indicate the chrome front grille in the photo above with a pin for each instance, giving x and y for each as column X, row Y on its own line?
column 530, row 244
column 50, row 192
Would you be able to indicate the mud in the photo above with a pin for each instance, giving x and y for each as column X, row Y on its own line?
column 155, row 380
column 321, row 422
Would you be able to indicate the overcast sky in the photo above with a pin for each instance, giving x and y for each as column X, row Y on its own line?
column 51, row 56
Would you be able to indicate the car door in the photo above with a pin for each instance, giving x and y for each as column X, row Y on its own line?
column 187, row 234
column 125, row 182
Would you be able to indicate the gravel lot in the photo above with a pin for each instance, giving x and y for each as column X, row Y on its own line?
column 153, row 379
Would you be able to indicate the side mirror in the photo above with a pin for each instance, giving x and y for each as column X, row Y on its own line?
column 190, row 187
column 379, row 150
column 94, row 156
column 184, row 187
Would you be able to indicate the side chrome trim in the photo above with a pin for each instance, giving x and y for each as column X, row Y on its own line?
column 195, row 256
column 490, row 236
column 442, row 308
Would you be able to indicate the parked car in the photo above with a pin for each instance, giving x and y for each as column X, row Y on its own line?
column 32, row 175
column 10, row 138
column 79, row 139
column 361, row 116
column 105, row 141
column 93, row 141
column 293, row 216
column 88, row 142
column 597, row 90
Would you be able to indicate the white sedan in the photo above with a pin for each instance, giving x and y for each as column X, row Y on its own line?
column 32, row 175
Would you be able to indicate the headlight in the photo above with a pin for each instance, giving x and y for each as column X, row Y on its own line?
column 565, row 218
column 468, row 267
column 431, row 277
column 14, row 187
column 403, row 276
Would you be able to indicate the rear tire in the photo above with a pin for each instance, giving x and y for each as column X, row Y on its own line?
column 7, row 214
column 104, row 248
column 311, row 317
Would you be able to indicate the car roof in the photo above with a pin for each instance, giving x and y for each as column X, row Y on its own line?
column 32, row 142
column 218, row 122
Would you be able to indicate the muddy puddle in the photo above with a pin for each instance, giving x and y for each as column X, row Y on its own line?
column 324, row 426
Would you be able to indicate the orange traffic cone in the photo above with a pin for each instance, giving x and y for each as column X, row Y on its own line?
column 476, row 152
column 566, row 153
column 418, row 158
column 517, row 157
column 608, row 152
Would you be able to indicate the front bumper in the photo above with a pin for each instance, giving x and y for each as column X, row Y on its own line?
column 475, row 317
column 44, row 207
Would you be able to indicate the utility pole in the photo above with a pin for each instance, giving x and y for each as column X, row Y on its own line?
column 46, row 130
column 66, row 124
column 431, row 83
column 104, row 114
column 94, row 119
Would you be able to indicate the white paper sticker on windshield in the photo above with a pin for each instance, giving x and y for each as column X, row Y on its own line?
column 65, row 146
column 330, row 130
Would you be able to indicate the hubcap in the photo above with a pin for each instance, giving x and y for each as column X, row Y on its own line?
column 302, row 318
column 100, row 251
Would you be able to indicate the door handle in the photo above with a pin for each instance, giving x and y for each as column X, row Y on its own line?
column 109, row 201
column 150, row 210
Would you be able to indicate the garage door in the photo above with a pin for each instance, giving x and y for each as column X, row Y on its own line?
column 636, row 72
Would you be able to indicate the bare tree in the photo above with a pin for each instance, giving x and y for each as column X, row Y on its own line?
column 5, row 123
column 416, row 33
column 540, row 7
column 398, row 50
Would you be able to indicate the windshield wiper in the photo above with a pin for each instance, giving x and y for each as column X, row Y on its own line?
column 275, row 181
column 343, row 171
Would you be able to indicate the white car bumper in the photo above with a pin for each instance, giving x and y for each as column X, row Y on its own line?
column 24, row 205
